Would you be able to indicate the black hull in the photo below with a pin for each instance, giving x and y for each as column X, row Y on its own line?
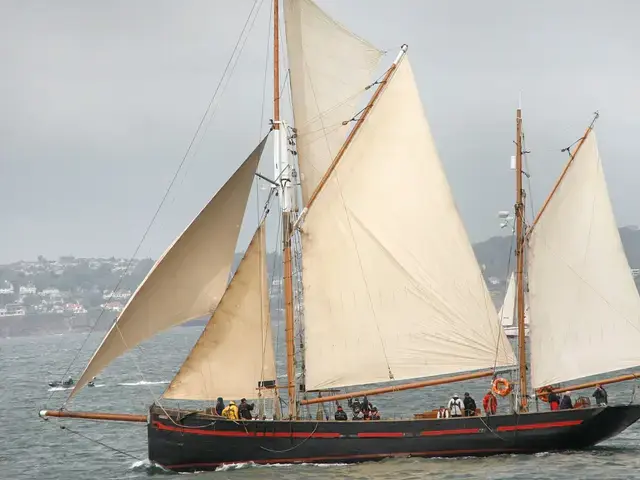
column 199, row 442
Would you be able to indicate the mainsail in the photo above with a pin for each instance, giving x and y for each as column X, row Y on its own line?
column 329, row 69
column 584, row 303
column 392, row 288
column 234, row 354
column 190, row 277
column 507, row 313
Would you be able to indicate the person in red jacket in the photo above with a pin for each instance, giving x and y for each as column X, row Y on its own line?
column 490, row 403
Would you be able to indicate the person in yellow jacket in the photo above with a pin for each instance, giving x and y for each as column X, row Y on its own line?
column 230, row 411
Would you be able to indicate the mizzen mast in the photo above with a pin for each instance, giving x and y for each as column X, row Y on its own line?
column 283, row 175
column 519, row 212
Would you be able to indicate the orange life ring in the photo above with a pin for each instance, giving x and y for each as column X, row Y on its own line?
column 543, row 393
column 501, row 386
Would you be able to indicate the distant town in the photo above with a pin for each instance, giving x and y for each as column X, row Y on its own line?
column 69, row 294
column 69, row 285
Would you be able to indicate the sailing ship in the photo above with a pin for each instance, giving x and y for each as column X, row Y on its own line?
column 507, row 312
column 388, row 290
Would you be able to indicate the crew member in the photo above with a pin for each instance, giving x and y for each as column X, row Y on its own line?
column 455, row 406
column 231, row 411
column 490, row 403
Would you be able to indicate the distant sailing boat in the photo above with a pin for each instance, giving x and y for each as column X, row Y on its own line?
column 507, row 312
column 390, row 289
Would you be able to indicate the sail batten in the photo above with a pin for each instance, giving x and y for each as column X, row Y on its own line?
column 582, row 296
column 189, row 279
column 392, row 287
column 234, row 353
column 330, row 67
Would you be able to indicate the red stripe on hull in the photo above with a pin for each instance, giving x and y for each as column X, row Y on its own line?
column 231, row 433
column 459, row 431
column 535, row 426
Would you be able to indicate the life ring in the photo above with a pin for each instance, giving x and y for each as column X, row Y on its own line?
column 501, row 386
column 543, row 393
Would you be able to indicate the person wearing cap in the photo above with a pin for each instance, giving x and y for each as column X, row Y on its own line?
column 455, row 406
column 340, row 414
column 566, row 403
column 469, row 405
column 245, row 409
column 600, row 394
column 219, row 405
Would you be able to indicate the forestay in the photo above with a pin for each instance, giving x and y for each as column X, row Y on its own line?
column 392, row 287
column 585, row 307
column 188, row 279
column 235, row 351
column 329, row 69
column 507, row 313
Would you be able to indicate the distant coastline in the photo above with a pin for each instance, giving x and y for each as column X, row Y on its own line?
column 46, row 297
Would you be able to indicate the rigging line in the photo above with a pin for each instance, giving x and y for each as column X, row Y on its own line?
column 495, row 362
column 234, row 63
column 528, row 176
column 295, row 446
column 166, row 194
column 98, row 442
column 266, row 71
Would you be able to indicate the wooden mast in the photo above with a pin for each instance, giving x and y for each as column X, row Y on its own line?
column 519, row 211
column 286, row 221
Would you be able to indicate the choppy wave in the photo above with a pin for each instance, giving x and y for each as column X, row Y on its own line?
column 142, row 382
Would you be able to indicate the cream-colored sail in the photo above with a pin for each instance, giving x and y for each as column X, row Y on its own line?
column 190, row 277
column 507, row 313
column 392, row 288
column 235, row 351
column 329, row 67
column 585, row 307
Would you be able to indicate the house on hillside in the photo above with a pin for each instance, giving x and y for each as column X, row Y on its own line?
column 6, row 288
column 29, row 289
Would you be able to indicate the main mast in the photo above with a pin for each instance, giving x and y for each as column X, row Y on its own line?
column 284, row 173
column 520, row 241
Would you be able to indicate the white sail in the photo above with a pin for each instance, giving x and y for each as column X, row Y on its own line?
column 392, row 288
column 507, row 313
column 235, row 351
column 190, row 277
column 329, row 67
column 584, row 304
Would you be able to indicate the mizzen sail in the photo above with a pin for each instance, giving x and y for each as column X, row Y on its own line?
column 392, row 287
column 329, row 69
column 189, row 279
column 582, row 296
column 234, row 354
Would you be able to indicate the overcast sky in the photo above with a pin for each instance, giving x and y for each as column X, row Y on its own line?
column 99, row 100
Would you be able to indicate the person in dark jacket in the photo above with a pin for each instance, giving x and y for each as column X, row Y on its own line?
column 469, row 405
column 340, row 414
column 219, row 406
column 600, row 394
column 554, row 400
column 244, row 410
column 565, row 403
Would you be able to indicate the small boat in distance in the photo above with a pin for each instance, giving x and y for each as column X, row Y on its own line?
column 507, row 313
column 64, row 383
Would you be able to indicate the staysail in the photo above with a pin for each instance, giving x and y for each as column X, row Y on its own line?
column 392, row 287
column 329, row 69
column 234, row 354
column 507, row 313
column 190, row 277
column 582, row 296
